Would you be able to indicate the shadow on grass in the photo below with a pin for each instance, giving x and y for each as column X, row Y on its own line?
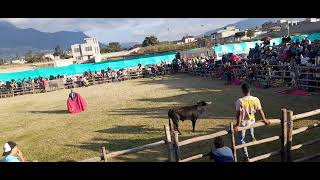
column 141, row 129
column 51, row 112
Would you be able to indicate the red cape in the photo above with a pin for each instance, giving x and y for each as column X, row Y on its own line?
column 296, row 92
column 77, row 105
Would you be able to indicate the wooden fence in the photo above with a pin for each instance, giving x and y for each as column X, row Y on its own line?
column 270, row 75
column 275, row 78
column 38, row 88
column 286, row 133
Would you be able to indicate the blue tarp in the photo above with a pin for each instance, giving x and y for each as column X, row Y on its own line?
column 244, row 47
column 80, row 68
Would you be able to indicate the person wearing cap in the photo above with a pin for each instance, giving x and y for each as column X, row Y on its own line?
column 12, row 153
column 221, row 153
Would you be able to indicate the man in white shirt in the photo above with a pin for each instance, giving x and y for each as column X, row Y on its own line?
column 246, row 107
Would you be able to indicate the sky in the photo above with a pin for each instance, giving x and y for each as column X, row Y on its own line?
column 125, row 29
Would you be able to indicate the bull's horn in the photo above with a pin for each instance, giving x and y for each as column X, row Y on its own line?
column 209, row 102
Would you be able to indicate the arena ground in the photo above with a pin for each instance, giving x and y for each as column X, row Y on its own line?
column 131, row 113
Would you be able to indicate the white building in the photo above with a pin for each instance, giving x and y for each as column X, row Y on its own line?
column 49, row 55
column 19, row 61
column 188, row 39
column 223, row 35
column 312, row 20
column 87, row 51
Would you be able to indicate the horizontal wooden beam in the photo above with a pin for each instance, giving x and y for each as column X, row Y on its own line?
column 258, row 124
column 302, row 129
column 192, row 158
column 306, row 114
column 203, row 138
column 136, row 149
column 270, row 139
column 264, row 156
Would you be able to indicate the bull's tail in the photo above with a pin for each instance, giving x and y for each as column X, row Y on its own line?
column 169, row 118
column 170, row 124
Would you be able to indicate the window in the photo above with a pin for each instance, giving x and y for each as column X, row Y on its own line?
column 77, row 50
column 88, row 48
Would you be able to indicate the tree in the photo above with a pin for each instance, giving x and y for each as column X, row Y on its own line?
column 240, row 34
column 114, row 46
column 250, row 33
column 65, row 56
column 57, row 51
column 28, row 56
column 2, row 61
column 150, row 41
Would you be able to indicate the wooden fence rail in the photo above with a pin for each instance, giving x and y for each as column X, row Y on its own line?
column 287, row 132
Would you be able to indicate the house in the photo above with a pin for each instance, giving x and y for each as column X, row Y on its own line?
column 90, row 50
column 222, row 36
column 18, row 61
column 205, row 42
column 188, row 39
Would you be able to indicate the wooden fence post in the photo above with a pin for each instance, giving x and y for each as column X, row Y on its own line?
column 176, row 144
column 233, row 142
column 283, row 135
column 12, row 92
column 103, row 154
column 289, row 135
column 33, row 88
column 169, row 143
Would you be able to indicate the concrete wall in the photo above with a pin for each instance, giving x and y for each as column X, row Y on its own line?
column 306, row 28
column 118, row 54
column 63, row 62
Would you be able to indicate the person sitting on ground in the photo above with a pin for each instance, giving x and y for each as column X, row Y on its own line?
column 12, row 153
column 221, row 153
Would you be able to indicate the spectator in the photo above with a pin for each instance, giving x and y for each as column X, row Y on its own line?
column 221, row 153
column 246, row 108
column 12, row 153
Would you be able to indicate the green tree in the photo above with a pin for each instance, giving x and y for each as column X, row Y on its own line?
column 150, row 41
column 28, row 56
column 114, row 46
column 58, row 51
column 240, row 34
column 250, row 33
column 1, row 61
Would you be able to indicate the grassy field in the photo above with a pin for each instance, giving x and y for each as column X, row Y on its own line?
column 131, row 113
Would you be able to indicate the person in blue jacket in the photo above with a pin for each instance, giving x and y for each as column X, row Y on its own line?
column 221, row 153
